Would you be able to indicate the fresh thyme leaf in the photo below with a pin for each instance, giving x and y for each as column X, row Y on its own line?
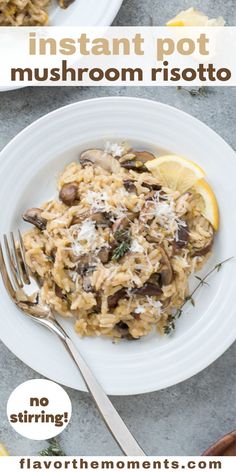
column 179, row 313
column 199, row 92
column 54, row 449
column 120, row 251
column 219, row 266
column 170, row 325
column 203, row 282
column 123, row 238
column 122, row 235
column 167, row 329
column 190, row 299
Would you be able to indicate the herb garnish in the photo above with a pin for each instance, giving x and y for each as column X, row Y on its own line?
column 170, row 326
column 54, row 449
column 123, row 238
column 199, row 92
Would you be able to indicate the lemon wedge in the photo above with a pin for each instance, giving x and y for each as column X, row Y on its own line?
column 193, row 17
column 175, row 22
column 175, row 172
column 3, row 451
column 211, row 210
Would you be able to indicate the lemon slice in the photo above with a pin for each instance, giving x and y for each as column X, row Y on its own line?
column 3, row 451
column 175, row 172
column 175, row 22
column 193, row 17
column 211, row 210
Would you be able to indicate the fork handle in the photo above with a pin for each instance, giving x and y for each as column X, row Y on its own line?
column 114, row 422
column 111, row 417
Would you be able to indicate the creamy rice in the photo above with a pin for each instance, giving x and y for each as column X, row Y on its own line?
column 27, row 12
column 23, row 12
column 114, row 251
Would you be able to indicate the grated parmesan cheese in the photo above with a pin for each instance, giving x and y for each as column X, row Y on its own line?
column 87, row 232
column 115, row 149
column 139, row 309
column 98, row 200
column 163, row 209
column 153, row 303
column 136, row 247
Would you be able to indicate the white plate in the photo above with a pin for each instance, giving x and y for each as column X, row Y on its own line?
column 81, row 13
column 85, row 13
column 29, row 165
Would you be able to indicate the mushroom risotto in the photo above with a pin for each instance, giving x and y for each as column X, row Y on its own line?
column 26, row 12
column 115, row 249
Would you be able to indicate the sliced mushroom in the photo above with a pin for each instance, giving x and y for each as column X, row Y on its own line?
column 122, row 328
column 33, row 216
column 182, row 237
column 151, row 187
column 69, row 194
column 100, row 158
column 138, row 161
column 86, row 263
column 101, row 218
column 152, row 287
column 59, row 293
column 130, row 186
column 204, row 250
column 143, row 156
column 65, row 3
column 155, row 279
column 79, row 217
column 134, row 165
column 113, row 300
column 166, row 270
column 123, row 222
column 149, row 288
column 104, row 254
column 98, row 297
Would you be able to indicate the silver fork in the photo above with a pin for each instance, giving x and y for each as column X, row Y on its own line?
column 23, row 291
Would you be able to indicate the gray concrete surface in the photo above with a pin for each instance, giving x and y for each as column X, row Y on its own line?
column 187, row 418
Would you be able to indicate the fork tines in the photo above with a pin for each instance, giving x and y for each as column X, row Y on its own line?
column 13, row 265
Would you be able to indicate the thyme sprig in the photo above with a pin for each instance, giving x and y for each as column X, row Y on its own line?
column 198, row 92
column 123, row 238
column 170, row 326
column 54, row 449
